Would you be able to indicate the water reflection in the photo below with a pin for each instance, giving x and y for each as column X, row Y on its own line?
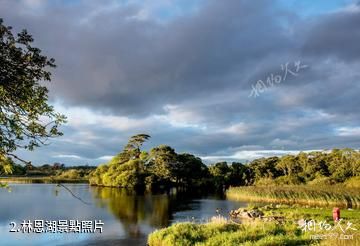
column 128, row 218
column 136, row 211
column 141, row 214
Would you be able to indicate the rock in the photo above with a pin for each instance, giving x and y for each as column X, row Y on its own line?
column 245, row 214
column 256, row 213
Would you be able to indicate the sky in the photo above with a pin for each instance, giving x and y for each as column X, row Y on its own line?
column 229, row 80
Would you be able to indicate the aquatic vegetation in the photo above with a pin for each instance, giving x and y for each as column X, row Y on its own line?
column 337, row 195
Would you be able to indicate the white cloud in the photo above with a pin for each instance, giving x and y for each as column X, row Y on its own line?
column 252, row 155
column 178, row 116
column 68, row 156
column 282, row 142
column 141, row 15
column 105, row 157
column 238, row 129
column 348, row 131
column 78, row 117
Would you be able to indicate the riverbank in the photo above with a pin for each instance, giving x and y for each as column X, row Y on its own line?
column 337, row 195
column 292, row 230
column 40, row 180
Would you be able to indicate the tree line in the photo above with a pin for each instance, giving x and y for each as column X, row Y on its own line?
column 163, row 168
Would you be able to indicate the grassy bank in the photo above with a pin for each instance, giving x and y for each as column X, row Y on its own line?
column 258, row 232
column 336, row 195
column 40, row 180
column 226, row 234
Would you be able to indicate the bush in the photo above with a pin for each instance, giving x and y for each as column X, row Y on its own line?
column 71, row 174
column 289, row 180
column 322, row 181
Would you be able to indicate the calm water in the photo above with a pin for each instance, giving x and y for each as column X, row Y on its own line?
column 128, row 219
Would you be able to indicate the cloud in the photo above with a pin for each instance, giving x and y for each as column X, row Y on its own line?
column 68, row 156
column 328, row 35
column 348, row 131
column 238, row 129
column 249, row 155
column 182, row 72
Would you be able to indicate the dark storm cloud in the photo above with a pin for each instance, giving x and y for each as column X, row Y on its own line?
column 112, row 60
column 186, row 80
column 335, row 35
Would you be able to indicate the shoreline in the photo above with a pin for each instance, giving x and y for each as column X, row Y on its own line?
column 41, row 180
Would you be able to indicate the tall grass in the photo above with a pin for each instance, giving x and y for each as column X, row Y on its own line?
column 336, row 195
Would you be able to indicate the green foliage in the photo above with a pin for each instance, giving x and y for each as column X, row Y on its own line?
column 6, row 165
column 220, row 173
column 132, row 149
column 190, row 171
column 335, row 166
column 126, row 169
column 224, row 175
column 73, row 174
column 264, row 168
column 229, row 234
column 163, row 168
column 163, row 164
column 240, row 174
column 26, row 119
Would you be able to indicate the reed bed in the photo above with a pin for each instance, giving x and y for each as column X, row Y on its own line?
column 336, row 195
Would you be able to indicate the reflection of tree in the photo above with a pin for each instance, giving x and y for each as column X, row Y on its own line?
column 134, row 210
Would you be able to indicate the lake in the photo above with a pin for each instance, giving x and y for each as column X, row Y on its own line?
column 128, row 219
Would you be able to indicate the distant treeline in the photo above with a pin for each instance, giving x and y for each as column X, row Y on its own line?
column 163, row 168
column 56, row 169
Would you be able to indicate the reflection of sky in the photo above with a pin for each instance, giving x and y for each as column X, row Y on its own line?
column 40, row 202
column 204, row 209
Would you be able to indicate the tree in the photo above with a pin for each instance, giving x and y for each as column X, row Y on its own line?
column 26, row 119
column 130, row 175
column 342, row 164
column 221, row 174
column 289, row 165
column 163, row 164
column 239, row 174
column 134, row 144
column 6, row 165
column 265, row 168
column 126, row 169
column 318, row 165
column 189, row 170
